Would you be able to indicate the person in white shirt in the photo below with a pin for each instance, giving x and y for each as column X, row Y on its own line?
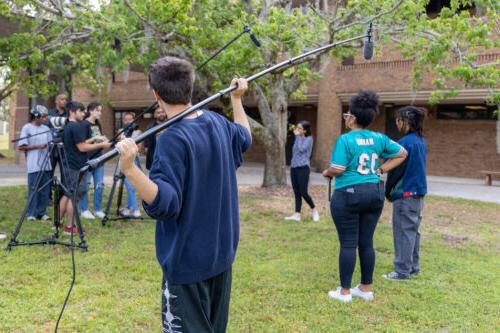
column 35, row 140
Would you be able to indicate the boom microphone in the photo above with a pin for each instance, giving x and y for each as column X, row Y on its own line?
column 368, row 47
column 254, row 39
column 246, row 29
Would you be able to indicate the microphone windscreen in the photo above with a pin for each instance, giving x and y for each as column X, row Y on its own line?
column 368, row 50
column 255, row 40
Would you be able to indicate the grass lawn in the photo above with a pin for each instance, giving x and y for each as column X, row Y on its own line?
column 280, row 279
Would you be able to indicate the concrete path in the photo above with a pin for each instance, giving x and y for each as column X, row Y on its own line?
column 252, row 174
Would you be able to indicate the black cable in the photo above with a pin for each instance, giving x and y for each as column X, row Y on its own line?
column 72, row 249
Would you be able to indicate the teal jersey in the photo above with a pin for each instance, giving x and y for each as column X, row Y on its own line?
column 358, row 153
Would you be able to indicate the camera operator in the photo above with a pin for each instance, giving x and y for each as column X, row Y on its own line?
column 150, row 142
column 77, row 145
column 38, row 164
column 131, row 131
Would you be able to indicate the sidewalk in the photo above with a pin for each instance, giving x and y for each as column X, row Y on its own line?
column 252, row 174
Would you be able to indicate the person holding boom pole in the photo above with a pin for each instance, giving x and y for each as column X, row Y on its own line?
column 192, row 192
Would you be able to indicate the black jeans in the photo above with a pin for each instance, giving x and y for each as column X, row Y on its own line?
column 200, row 307
column 300, row 181
column 355, row 212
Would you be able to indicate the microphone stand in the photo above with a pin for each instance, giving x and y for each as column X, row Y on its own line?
column 94, row 163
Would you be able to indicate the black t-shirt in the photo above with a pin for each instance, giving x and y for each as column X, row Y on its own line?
column 94, row 130
column 74, row 133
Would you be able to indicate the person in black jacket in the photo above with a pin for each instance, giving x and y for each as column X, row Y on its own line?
column 150, row 142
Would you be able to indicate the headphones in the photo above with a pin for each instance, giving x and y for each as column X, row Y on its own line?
column 38, row 112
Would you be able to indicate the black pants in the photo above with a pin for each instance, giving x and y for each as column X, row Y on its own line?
column 200, row 307
column 300, row 181
column 355, row 212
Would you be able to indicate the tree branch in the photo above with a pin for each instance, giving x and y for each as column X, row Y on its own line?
column 370, row 19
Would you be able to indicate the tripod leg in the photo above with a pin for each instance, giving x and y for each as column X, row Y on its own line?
column 120, row 194
column 31, row 197
column 110, row 200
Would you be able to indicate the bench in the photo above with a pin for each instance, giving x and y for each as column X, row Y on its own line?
column 488, row 176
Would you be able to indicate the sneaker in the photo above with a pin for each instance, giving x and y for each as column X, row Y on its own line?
column 67, row 230
column 45, row 217
column 3, row 236
column 394, row 276
column 31, row 218
column 100, row 214
column 88, row 215
column 294, row 217
column 125, row 212
column 414, row 273
column 364, row 295
column 136, row 213
column 315, row 215
column 335, row 294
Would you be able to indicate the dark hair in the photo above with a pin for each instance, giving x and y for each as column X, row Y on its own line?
column 73, row 106
column 364, row 107
column 172, row 79
column 412, row 116
column 306, row 126
column 91, row 107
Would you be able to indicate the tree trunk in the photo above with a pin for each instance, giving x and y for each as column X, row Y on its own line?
column 274, row 168
column 274, row 147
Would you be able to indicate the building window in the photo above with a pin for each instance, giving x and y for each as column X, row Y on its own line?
column 466, row 112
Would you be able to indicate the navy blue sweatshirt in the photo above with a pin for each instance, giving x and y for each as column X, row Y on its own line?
column 409, row 179
column 194, row 166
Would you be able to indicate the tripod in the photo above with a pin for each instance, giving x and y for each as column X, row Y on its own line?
column 56, row 187
column 118, row 179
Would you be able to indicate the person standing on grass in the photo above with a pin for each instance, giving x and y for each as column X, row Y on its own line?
column 35, row 140
column 358, row 198
column 76, row 145
column 193, row 194
column 406, row 187
column 132, row 131
column 150, row 142
column 94, row 111
column 300, row 170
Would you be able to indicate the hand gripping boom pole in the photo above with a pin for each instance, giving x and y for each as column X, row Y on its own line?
column 94, row 163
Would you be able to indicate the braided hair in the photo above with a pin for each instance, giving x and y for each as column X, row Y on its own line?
column 412, row 116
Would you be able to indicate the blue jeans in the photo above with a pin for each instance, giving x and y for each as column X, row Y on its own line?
column 38, row 205
column 131, row 200
column 355, row 211
column 98, row 175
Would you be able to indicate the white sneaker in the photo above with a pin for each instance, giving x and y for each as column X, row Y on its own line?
column 294, row 217
column 315, row 215
column 88, row 215
column 3, row 236
column 45, row 217
column 125, row 212
column 31, row 218
column 100, row 214
column 335, row 294
column 364, row 295
column 136, row 213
